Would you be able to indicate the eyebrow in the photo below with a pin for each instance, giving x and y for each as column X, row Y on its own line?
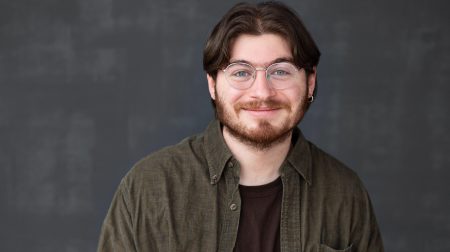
column 277, row 60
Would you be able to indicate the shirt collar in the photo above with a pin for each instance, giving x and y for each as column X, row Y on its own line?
column 218, row 155
column 300, row 155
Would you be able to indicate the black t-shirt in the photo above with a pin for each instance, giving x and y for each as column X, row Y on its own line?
column 259, row 223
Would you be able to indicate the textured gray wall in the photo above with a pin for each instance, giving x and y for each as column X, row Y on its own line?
column 88, row 87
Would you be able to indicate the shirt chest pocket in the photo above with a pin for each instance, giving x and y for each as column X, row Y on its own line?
column 325, row 248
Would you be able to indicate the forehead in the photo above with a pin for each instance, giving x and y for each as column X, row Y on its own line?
column 260, row 49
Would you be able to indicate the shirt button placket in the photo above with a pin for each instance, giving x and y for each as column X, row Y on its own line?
column 233, row 206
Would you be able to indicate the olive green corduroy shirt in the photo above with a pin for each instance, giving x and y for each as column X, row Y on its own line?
column 186, row 198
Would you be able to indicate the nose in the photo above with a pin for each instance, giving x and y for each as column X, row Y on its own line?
column 261, row 88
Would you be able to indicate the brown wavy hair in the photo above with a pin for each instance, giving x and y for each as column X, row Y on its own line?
column 256, row 19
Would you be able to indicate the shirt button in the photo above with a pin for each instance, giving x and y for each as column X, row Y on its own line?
column 233, row 207
column 214, row 179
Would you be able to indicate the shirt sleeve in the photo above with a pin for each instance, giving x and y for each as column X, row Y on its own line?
column 117, row 229
column 365, row 232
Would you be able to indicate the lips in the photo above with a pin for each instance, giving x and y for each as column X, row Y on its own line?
column 260, row 109
column 261, row 106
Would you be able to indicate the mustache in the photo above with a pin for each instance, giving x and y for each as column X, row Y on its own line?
column 257, row 104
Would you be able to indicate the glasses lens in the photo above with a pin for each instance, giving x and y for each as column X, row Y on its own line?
column 283, row 75
column 240, row 75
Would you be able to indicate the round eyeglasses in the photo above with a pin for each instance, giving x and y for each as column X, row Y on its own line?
column 280, row 75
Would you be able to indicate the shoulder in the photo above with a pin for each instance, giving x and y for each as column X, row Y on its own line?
column 331, row 174
column 188, row 149
column 185, row 158
column 325, row 163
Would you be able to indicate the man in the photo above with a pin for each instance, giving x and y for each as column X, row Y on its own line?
column 250, row 182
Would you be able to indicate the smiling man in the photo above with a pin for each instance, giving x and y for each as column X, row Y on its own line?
column 251, row 181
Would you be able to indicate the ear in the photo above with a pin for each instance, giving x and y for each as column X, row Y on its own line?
column 311, row 81
column 211, row 86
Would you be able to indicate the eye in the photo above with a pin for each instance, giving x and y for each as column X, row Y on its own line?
column 241, row 74
column 280, row 72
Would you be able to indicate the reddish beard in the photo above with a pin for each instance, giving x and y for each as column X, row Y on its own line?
column 266, row 135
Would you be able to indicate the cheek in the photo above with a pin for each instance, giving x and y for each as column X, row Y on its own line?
column 234, row 97
column 228, row 96
column 294, row 96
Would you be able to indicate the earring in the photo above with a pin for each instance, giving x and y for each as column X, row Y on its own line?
column 311, row 99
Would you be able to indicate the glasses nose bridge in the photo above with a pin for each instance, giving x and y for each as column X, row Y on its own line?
column 264, row 69
column 267, row 83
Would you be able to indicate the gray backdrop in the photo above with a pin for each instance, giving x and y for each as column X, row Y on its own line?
column 88, row 87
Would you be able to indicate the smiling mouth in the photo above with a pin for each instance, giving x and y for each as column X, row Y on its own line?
column 264, row 112
column 260, row 109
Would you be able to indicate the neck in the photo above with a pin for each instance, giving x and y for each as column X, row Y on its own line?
column 258, row 166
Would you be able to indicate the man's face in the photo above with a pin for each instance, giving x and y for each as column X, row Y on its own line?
column 260, row 115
